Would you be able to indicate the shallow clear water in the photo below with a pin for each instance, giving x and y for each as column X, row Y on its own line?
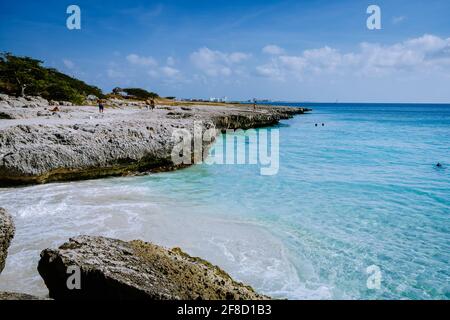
column 363, row 190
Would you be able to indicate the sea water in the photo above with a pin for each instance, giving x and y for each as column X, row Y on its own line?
column 357, row 198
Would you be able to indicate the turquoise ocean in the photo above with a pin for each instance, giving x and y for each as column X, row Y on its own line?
column 362, row 190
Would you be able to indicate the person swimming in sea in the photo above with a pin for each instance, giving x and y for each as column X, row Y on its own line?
column 439, row 165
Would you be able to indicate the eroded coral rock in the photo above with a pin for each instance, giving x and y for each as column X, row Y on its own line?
column 7, row 231
column 135, row 270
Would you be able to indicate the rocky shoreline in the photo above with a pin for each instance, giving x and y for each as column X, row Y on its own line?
column 38, row 145
column 42, row 141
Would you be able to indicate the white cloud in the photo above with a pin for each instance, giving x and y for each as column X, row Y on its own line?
column 170, row 72
column 113, row 73
column 237, row 57
column 397, row 20
column 216, row 63
column 69, row 63
column 271, row 70
column 141, row 61
column 419, row 54
column 428, row 42
column 153, row 73
column 273, row 49
column 170, row 61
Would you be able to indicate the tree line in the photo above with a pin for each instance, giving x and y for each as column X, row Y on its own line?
column 20, row 76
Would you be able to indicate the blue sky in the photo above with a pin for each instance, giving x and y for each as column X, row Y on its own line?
column 284, row 50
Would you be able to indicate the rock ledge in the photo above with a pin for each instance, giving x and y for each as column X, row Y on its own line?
column 136, row 270
column 7, row 231
column 76, row 142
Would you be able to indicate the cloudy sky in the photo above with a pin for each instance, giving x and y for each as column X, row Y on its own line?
column 283, row 50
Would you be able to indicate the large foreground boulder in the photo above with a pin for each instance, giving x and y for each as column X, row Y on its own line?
column 6, row 234
column 135, row 270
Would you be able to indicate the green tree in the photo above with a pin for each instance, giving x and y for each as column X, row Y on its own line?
column 20, row 73
column 24, row 75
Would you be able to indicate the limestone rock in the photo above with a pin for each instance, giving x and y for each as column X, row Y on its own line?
column 7, row 231
column 76, row 142
column 135, row 270
column 19, row 296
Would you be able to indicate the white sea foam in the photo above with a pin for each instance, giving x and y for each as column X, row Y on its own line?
column 48, row 215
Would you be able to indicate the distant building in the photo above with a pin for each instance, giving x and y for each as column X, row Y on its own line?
column 223, row 99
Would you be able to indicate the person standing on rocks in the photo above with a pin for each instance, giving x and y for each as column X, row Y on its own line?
column 101, row 106
column 152, row 103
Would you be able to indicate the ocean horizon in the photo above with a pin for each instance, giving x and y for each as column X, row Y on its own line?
column 361, row 190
